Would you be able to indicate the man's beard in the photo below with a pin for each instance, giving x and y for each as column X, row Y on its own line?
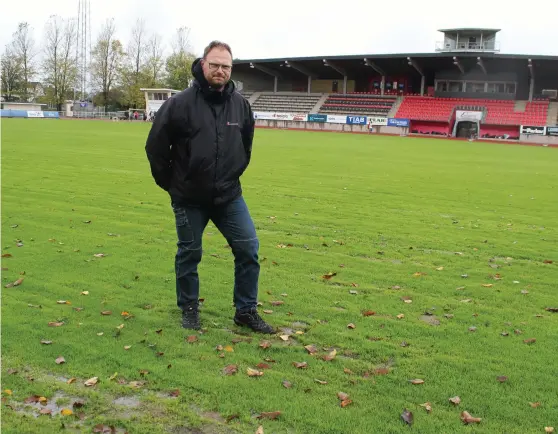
column 217, row 82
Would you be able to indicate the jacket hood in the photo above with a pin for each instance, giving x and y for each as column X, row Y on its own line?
column 209, row 92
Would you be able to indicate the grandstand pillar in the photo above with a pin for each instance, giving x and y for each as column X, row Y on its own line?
column 531, row 88
column 275, row 80
column 383, row 85
column 309, row 84
column 422, row 80
column 344, row 84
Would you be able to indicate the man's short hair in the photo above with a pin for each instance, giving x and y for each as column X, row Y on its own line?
column 216, row 44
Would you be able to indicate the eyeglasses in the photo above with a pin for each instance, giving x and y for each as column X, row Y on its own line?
column 216, row 66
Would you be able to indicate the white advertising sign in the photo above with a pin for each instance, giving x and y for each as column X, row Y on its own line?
column 35, row 114
column 154, row 105
column 336, row 119
column 462, row 115
column 299, row 117
column 264, row 115
column 378, row 121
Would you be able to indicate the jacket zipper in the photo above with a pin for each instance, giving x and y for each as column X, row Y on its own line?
column 216, row 150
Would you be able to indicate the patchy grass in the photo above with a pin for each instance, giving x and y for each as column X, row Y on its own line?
column 399, row 221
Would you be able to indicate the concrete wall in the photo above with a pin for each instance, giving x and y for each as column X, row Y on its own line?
column 543, row 140
column 322, row 126
column 254, row 82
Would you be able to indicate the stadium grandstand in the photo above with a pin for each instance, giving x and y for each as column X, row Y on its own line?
column 464, row 88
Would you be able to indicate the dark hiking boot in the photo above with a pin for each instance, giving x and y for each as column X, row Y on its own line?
column 250, row 318
column 191, row 318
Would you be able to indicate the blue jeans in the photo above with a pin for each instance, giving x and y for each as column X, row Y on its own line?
column 234, row 222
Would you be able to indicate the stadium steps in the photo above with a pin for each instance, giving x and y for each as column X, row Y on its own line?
column 320, row 103
column 254, row 97
column 520, row 106
column 552, row 116
column 395, row 107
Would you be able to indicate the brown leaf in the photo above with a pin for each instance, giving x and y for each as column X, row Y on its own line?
column 32, row 399
column 277, row 303
column 16, row 283
column 456, row 400
column 535, row 404
column 287, row 384
column 219, row 348
column 530, row 341
column 106, row 312
column 346, row 402
column 92, row 381
column 300, row 365
column 230, row 369
column 427, row 406
column 381, row 371
column 347, row 371
column 265, row 344
column 547, row 261
column 487, row 285
column 419, row 274
column 254, row 372
column 311, row 349
column 342, row 396
column 330, row 356
column 284, row 337
column 267, row 311
column 55, row 324
column 269, row 415
column 78, row 404
column 548, row 429
column 174, row 393
column 191, row 339
column 100, row 428
column 7, row 255
column 45, row 411
column 263, row 366
column 60, row 360
column 322, row 382
column 502, row 378
column 71, row 380
column 351, row 326
column 416, row 381
column 368, row 313
column 551, row 309
column 400, row 316
column 467, row 418
column 329, row 275
column 136, row 384
column 407, row 417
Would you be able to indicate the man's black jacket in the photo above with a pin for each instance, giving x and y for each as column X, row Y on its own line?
column 201, row 142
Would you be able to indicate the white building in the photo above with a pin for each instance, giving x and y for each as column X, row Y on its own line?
column 154, row 98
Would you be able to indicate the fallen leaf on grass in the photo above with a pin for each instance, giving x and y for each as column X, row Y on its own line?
column 535, row 404
column 229, row 349
column 322, row 382
column 547, row 261
column 487, row 285
column 268, row 311
column 254, row 372
column 467, row 418
column 265, row 344
column 277, row 303
column 16, row 283
column 329, row 275
column 348, row 371
column 419, row 274
column 45, row 342
column 100, row 428
column 416, row 381
column 311, row 349
column 92, row 381
column 346, row 402
column 284, row 337
column 427, row 406
column 407, row 299
column 136, row 384
column 439, row 268
column 368, row 313
column 63, row 302
column 342, row 396
column 300, row 365
column 56, row 323
column 381, row 371
column 548, row 429
column 230, row 369
column 60, row 360
column 66, row 412
column 287, row 384
column 353, row 292
column 99, row 255
column 551, row 309
column 456, row 400
column 530, row 341
column 502, row 378
column 269, row 415
column 191, row 339
column 71, row 380
column 106, row 312
column 330, row 356
column 84, row 292
column 7, row 255
column 127, row 347
column 45, row 411
column 407, row 417
column 143, row 372
column 263, row 366
column 12, row 371
column 351, row 326
column 472, row 329
column 400, row 316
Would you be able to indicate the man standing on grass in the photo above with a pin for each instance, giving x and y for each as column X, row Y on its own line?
column 199, row 145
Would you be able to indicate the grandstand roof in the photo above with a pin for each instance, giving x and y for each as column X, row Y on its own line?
column 394, row 64
column 469, row 29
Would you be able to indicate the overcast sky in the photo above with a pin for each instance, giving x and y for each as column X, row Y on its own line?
column 260, row 29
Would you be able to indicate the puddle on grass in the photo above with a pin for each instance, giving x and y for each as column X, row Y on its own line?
column 213, row 415
column 430, row 319
column 300, row 325
column 52, row 405
column 127, row 401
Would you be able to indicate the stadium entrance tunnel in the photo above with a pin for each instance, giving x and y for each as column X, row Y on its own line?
column 466, row 129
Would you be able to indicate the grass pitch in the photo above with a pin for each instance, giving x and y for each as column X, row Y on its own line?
column 437, row 252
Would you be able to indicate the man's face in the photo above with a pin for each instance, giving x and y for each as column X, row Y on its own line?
column 217, row 67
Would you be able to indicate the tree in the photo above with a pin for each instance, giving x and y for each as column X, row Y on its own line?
column 133, row 73
column 59, row 63
column 155, row 61
column 11, row 74
column 179, row 63
column 107, row 56
column 24, row 50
